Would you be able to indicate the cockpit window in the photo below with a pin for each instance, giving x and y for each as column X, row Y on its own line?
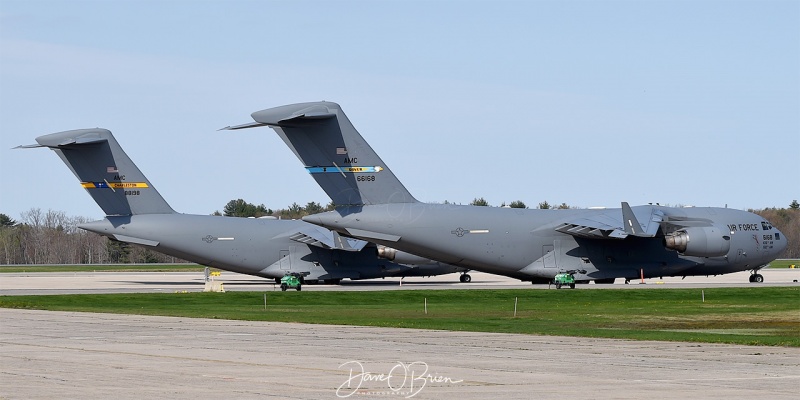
column 765, row 226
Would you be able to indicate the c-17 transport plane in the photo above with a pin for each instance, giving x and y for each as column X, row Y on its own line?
column 267, row 247
column 531, row 245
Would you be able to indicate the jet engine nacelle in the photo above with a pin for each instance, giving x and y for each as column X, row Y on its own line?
column 401, row 257
column 707, row 241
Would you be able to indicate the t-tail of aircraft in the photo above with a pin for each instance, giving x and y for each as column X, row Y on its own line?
column 105, row 171
column 334, row 153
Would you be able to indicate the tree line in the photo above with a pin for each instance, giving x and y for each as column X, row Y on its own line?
column 52, row 237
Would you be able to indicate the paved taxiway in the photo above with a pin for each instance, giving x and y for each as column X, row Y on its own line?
column 45, row 355
column 152, row 282
column 95, row 356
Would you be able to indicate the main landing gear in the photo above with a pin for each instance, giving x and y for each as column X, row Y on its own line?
column 756, row 277
column 465, row 278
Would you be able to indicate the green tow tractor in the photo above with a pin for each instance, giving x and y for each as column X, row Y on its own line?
column 292, row 280
column 566, row 279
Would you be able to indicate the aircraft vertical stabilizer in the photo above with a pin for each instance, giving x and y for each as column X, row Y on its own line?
column 334, row 153
column 106, row 172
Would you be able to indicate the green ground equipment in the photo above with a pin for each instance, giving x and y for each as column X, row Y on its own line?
column 291, row 280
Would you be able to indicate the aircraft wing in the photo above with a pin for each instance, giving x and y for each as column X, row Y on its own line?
column 614, row 224
column 682, row 222
column 317, row 236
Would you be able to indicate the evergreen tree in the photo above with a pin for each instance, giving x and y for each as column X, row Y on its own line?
column 313, row 208
column 479, row 202
column 5, row 220
column 517, row 204
column 241, row 208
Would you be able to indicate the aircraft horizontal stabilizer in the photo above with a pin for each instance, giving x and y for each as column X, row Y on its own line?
column 373, row 235
column 243, row 126
column 134, row 240
column 280, row 115
column 284, row 115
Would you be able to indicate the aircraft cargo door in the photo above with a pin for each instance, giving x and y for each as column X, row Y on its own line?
column 548, row 256
column 286, row 261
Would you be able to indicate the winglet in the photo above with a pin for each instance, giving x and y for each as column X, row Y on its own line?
column 629, row 221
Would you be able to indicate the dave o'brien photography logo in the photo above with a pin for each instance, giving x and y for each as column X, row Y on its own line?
column 402, row 379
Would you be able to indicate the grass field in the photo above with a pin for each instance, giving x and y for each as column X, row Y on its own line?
column 784, row 263
column 755, row 316
column 103, row 268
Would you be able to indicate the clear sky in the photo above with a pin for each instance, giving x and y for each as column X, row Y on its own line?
column 588, row 103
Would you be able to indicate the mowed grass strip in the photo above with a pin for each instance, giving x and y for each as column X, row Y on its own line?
column 103, row 268
column 787, row 263
column 754, row 316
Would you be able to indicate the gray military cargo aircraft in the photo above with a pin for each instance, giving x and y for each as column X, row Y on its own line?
column 531, row 245
column 267, row 247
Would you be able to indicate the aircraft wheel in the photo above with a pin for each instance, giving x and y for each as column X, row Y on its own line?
column 298, row 287
column 278, row 281
column 283, row 287
column 750, row 278
column 758, row 278
column 465, row 278
column 572, row 286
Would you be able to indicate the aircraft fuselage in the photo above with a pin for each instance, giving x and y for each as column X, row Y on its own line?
column 524, row 244
column 252, row 246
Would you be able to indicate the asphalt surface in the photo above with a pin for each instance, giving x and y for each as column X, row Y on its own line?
column 45, row 354
column 153, row 282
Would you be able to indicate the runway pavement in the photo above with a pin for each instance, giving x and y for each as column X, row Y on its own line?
column 151, row 282
column 46, row 355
